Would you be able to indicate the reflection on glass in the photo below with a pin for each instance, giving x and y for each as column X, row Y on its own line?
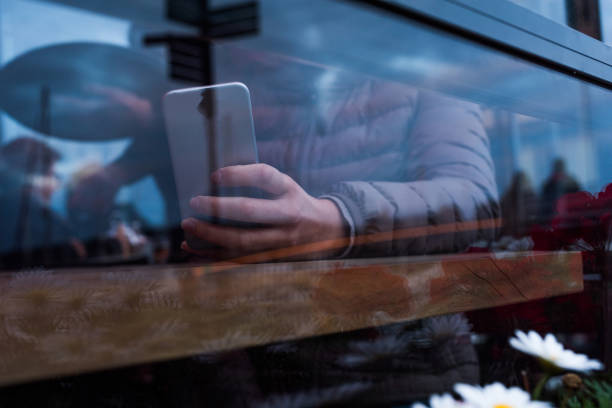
column 605, row 10
column 555, row 10
column 371, row 154
column 363, row 166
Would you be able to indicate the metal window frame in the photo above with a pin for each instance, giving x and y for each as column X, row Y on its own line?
column 512, row 29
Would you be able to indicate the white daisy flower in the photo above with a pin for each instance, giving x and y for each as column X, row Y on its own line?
column 496, row 396
column 441, row 401
column 552, row 352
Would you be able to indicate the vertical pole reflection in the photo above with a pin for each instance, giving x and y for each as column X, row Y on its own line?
column 207, row 107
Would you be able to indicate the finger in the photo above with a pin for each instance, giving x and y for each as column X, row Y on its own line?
column 236, row 239
column 244, row 209
column 257, row 175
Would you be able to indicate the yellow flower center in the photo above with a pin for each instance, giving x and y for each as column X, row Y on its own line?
column 502, row 406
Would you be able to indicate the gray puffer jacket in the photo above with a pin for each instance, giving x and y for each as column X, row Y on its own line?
column 391, row 156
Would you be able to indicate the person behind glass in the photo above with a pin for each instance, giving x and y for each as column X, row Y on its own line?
column 519, row 206
column 557, row 184
column 354, row 159
column 32, row 232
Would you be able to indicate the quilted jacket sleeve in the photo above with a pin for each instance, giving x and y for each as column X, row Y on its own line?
column 449, row 182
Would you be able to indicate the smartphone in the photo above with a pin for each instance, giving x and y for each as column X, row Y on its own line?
column 208, row 128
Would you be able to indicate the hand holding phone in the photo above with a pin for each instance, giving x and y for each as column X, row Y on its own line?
column 208, row 128
column 210, row 131
column 291, row 218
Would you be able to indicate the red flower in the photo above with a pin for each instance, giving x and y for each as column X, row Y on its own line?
column 579, row 216
column 604, row 199
column 605, row 221
column 574, row 202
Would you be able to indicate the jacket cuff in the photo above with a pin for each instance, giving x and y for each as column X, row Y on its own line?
column 352, row 214
column 348, row 219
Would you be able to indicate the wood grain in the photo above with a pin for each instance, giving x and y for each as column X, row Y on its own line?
column 72, row 321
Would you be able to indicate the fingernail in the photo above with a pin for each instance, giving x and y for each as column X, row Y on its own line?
column 216, row 176
column 194, row 202
column 188, row 224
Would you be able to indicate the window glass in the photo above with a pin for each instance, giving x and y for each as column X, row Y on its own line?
column 605, row 8
column 553, row 9
column 350, row 216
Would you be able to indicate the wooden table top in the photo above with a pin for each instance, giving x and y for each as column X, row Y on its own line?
column 72, row 321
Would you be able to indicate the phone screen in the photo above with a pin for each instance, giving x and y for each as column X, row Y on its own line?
column 207, row 128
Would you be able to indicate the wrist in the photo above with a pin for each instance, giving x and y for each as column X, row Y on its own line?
column 332, row 222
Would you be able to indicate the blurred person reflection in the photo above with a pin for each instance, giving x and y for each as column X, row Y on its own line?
column 32, row 233
column 92, row 194
column 557, row 184
column 96, row 92
column 519, row 206
column 355, row 157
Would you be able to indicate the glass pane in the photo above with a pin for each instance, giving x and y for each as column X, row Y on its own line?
column 553, row 9
column 349, row 216
column 605, row 10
